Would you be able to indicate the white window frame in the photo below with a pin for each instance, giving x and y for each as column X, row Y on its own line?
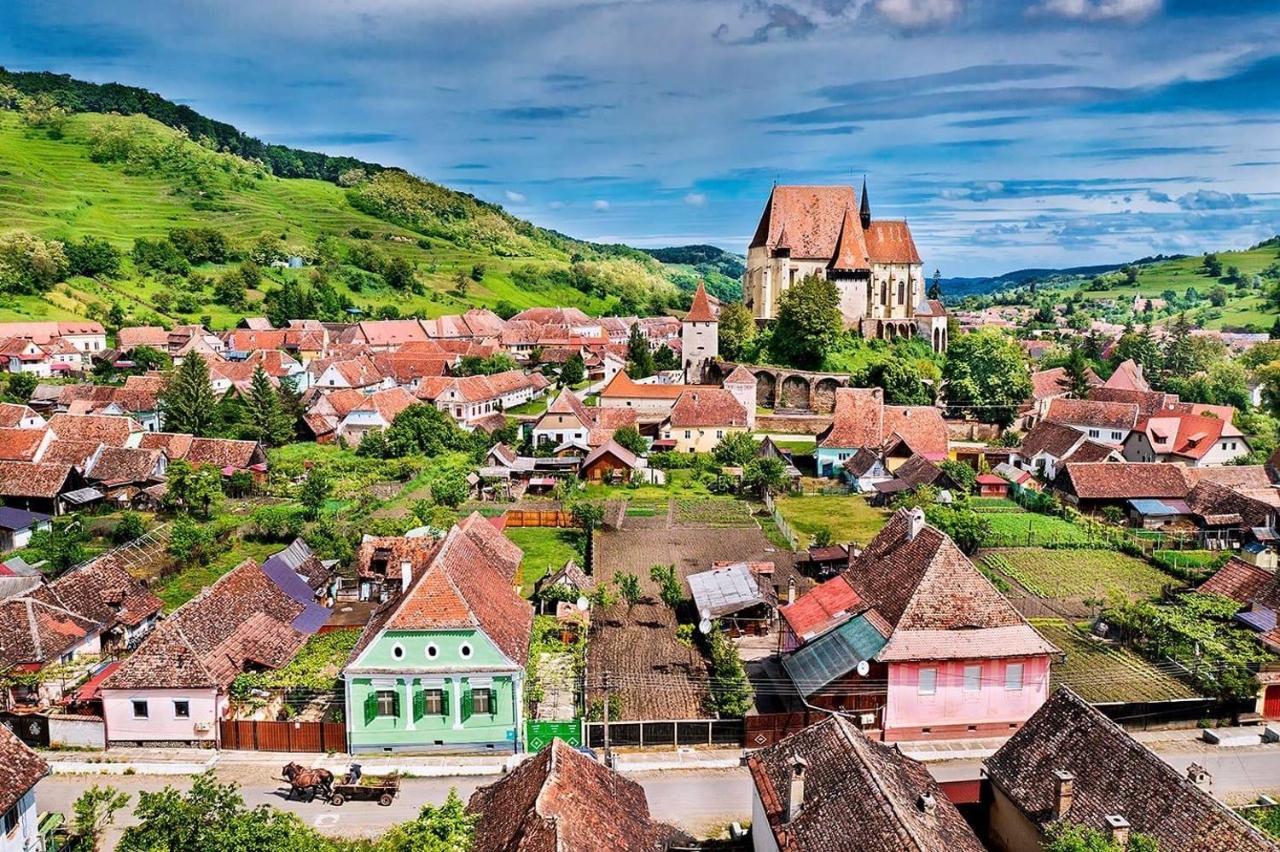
column 932, row 681
column 973, row 678
column 465, row 650
column 393, row 699
column 186, row 705
column 1012, row 684
column 146, row 708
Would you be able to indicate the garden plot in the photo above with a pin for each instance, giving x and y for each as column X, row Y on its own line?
column 545, row 549
column 1029, row 529
column 712, row 512
column 654, row 675
column 1103, row 672
column 848, row 517
column 1076, row 574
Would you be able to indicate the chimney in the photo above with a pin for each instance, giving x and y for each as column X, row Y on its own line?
column 795, row 795
column 1064, row 790
column 1199, row 776
column 791, row 591
column 915, row 523
column 406, row 574
column 927, row 802
column 1118, row 829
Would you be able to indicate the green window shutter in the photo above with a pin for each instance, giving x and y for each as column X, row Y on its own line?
column 419, row 704
column 444, row 700
column 466, row 703
column 370, row 706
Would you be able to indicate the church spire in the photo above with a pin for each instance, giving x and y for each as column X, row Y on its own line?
column 864, row 209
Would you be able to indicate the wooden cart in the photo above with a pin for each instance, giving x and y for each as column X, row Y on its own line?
column 380, row 788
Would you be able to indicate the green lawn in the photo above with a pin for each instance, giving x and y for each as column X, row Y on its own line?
column 680, row 483
column 848, row 517
column 1103, row 672
column 1077, row 572
column 532, row 407
column 1029, row 529
column 545, row 549
column 177, row 589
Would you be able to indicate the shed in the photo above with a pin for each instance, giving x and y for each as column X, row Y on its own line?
column 990, row 485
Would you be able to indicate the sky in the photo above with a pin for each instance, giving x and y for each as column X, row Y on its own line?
column 1009, row 134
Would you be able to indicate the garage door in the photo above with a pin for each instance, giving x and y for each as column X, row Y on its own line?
column 1271, row 702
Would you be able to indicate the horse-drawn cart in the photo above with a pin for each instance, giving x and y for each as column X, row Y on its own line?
column 379, row 788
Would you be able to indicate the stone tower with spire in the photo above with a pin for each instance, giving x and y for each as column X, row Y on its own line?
column 699, row 338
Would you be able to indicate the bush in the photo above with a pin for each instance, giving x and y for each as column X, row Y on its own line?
column 29, row 264
column 277, row 523
column 189, row 542
column 159, row 256
column 130, row 526
column 200, row 245
column 91, row 256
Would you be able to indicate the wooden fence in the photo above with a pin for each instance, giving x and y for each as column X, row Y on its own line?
column 783, row 527
column 531, row 518
column 284, row 736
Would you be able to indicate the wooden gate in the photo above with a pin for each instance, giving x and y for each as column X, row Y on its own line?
column 1271, row 702
column 284, row 736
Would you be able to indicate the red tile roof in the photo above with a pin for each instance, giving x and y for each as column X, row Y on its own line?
column 621, row 386
column 1093, row 413
column 121, row 465
column 502, row 552
column 104, row 593
column 823, row 222
column 11, row 414
column 1124, row 480
column 1052, row 439
column 890, row 241
column 700, row 311
column 920, row 427
column 26, row 479
column 825, row 606
column 110, row 430
column 707, row 407
column 131, row 337
column 1048, row 383
column 1128, row 376
column 858, row 419
column 23, row 768
column 38, row 632
column 851, row 246
column 1238, row 580
column 20, row 444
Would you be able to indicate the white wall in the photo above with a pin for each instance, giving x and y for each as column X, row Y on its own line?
column 25, row 837
column 77, row 731
column 161, row 723
column 762, row 839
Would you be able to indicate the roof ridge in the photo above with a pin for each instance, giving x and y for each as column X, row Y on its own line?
column 35, row 632
column 863, row 750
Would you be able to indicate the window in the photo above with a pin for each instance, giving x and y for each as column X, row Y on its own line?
column 388, row 703
column 1013, row 677
column 182, row 709
column 433, row 650
column 1115, row 436
column 928, row 681
column 719, row 433
column 688, row 434
column 140, row 710
column 972, row 678
column 1093, row 433
column 397, row 651
column 11, row 819
column 433, row 702
column 482, row 700
column 464, row 651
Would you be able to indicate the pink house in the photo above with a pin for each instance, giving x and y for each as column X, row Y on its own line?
column 912, row 640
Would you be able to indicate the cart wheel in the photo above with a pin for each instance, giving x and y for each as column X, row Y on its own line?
column 337, row 799
column 385, row 800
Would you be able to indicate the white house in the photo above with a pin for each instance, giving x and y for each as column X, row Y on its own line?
column 23, row 768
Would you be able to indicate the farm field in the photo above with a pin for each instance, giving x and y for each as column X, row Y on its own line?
column 847, row 516
column 545, row 549
column 680, row 483
column 1029, row 529
column 1102, row 672
column 1076, row 572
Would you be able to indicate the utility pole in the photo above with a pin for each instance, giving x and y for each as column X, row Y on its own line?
column 608, row 758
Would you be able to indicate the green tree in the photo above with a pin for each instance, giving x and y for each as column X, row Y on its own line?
column 91, row 256
column 765, row 474
column 960, row 473
column 1218, row 296
column 628, row 587
column 20, row 386
column 670, row 588
column 587, row 514
column 986, row 373
column 187, row 403
column 737, row 330
column 1070, row 837
column 437, row 828
column 629, row 437
column 189, row 542
column 314, row 493
column 1212, row 265
column 399, row 275
column 265, row 419
column 1141, row 347
column 159, row 256
column 665, row 359
column 935, row 288
column 902, row 381
column 193, row 489
column 730, row 688
column 29, row 264
column 574, row 371
column 823, row 537
column 808, row 323
column 639, row 355
column 230, row 291
column 130, row 526
column 147, row 358
column 92, row 813
column 450, row 489
column 736, row 448
column 422, row 429
column 62, row 545
column 1077, row 367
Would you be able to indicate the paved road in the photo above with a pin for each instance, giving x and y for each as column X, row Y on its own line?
column 697, row 801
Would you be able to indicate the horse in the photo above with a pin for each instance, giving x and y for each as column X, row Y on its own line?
column 309, row 781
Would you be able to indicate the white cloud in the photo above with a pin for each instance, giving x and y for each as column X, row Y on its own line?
column 918, row 14
column 696, row 199
column 1210, row 199
column 1099, row 10
column 600, row 204
column 556, row 205
column 516, row 197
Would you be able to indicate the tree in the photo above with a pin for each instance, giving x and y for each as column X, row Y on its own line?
column 629, row 437
column 93, row 812
column 187, row 402
column 193, row 488
column 147, row 358
column 735, row 448
column 902, row 381
column 189, row 543
column 737, row 330
column 628, row 587
column 1218, row 296
column 420, row 429
column 1065, row 836
column 1179, row 356
column 399, row 275
column 639, row 355
column 730, row 688
column 1141, row 347
column 1077, row 368
column 477, row 272
column 159, row 256
column 985, row 372
column 61, row 546
column 935, row 289
column 823, row 537
column 230, row 291
column 130, row 526
column 91, row 256
column 574, row 371
column 450, row 489
column 20, row 386
column 964, row 477
column 669, row 587
column 665, row 359
column 264, row 418
column 1212, row 265
column 808, row 322
column 587, row 514
column 437, row 828
column 314, row 493
column 765, row 474
column 29, row 264
column 965, row 527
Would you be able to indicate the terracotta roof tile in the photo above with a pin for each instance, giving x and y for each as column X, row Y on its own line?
column 1238, row 580
column 700, row 311
column 20, row 444
column 23, row 768
column 890, row 241
column 104, row 593
column 1128, row 376
column 1124, row 480
column 1052, row 439
column 1089, row 412
column 621, row 386
column 704, row 407
column 110, row 430
column 121, row 465
column 25, row 479
column 1049, row 383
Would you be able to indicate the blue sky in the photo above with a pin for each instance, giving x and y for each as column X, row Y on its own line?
column 1010, row 134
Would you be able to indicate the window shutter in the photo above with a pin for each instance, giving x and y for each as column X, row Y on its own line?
column 444, row 701
column 466, row 703
column 370, row 706
column 419, row 704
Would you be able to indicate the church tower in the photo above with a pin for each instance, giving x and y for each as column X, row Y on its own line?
column 864, row 209
column 699, row 338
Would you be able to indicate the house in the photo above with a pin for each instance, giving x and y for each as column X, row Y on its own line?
column 112, row 430
column 1195, row 440
column 652, row 401
column 139, row 399
column 829, row 788
column 359, row 373
column 82, row 335
column 120, row 472
column 991, row 485
column 43, row 487
column 570, row 318
column 913, row 613
column 25, row 356
column 565, row 420
column 1089, row 486
column 107, row 595
column 1257, row 591
column 893, row 433
column 19, row 826
column 15, row 416
column 609, row 462
column 1127, row 376
column 469, row 399
column 130, row 338
column 25, row 445
column 1105, row 422
column 386, row 565
column 377, row 410
column 226, row 454
column 175, row 686
column 49, row 644
column 569, row 582
column 562, row 800
column 1070, row 763
column 442, row 666
column 1049, row 444
column 701, row 417
column 738, row 594
column 17, row 525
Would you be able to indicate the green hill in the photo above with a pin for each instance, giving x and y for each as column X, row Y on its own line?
column 721, row 270
column 65, row 175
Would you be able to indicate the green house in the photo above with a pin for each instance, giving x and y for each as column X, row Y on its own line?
column 442, row 666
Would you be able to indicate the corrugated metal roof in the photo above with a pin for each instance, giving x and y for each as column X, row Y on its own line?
column 726, row 590
column 833, row 655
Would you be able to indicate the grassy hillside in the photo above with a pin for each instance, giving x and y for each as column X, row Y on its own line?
column 721, row 270
column 121, row 178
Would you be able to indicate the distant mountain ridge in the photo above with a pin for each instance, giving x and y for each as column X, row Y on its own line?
column 960, row 287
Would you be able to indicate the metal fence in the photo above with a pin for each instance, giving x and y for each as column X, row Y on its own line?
column 783, row 527
column 675, row 733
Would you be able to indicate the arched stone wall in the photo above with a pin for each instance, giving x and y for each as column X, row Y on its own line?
column 824, row 395
column 794, row 393
column 766, row 389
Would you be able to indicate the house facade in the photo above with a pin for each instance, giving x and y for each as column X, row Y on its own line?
column 702, row 417
column 442, row 666
column 861, row 423
column 23, row 769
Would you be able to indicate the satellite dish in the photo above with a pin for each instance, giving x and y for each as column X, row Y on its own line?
column 706, row 614
column 583, row 603
column 863, row 668
column 705, row 625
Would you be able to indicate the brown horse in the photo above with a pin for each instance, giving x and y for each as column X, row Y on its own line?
column 309, row 781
